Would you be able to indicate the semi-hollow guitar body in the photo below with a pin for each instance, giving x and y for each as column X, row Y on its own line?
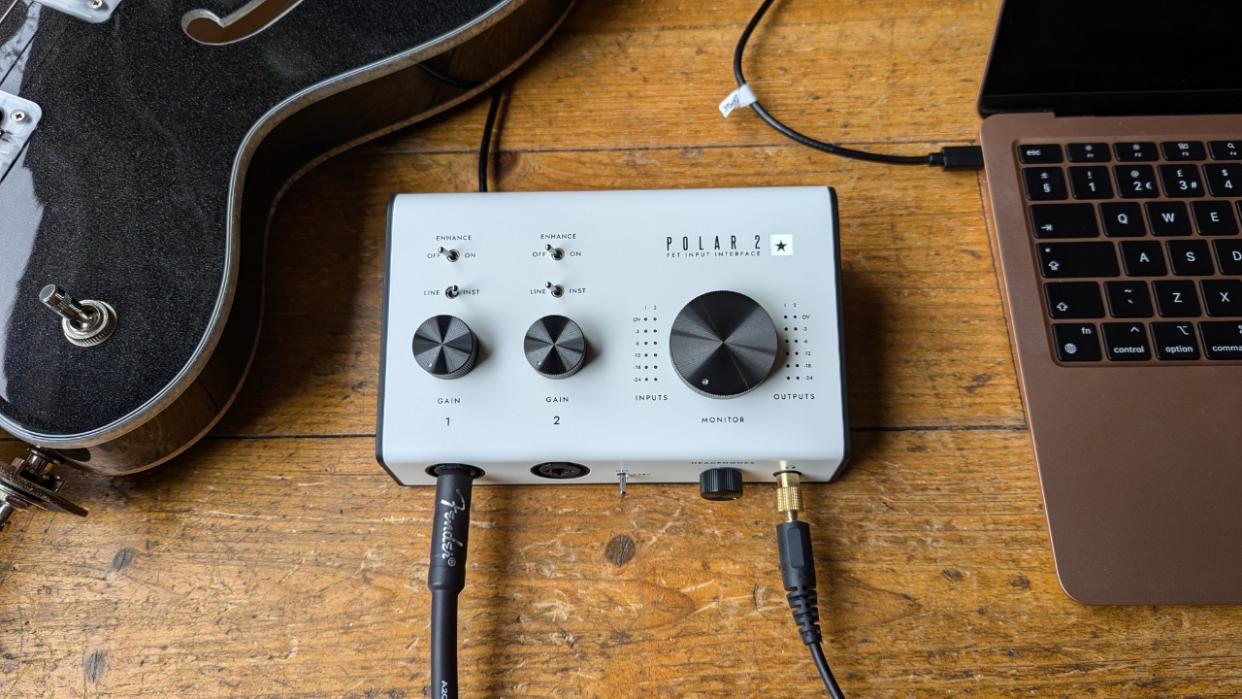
column 143, row 144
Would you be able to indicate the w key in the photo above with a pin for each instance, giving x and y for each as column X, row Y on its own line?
column 1064, row 221
column 1223, row 297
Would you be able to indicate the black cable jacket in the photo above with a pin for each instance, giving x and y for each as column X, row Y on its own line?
column 446, row 574
column 489, row 129
column 929, row 159
column 825, row 673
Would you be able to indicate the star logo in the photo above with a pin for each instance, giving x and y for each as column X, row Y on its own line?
column 782, row 244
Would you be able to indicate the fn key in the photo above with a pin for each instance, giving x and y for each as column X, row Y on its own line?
column 1076, row 342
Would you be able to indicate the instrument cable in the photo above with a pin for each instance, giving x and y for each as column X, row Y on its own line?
column 949, row 157
column 490, row 134
column 446, row 574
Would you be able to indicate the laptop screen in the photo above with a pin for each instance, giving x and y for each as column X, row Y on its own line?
column 1112, row 57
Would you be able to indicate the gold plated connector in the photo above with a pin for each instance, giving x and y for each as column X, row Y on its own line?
column 788, row 494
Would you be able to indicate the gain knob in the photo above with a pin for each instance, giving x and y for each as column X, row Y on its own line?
column 445, row 347
column 723, row 344
column 555, row 347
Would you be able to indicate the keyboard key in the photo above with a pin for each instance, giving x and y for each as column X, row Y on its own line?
column 1089, row 153
column 1126, row 342
column 1168, row 218
column 1039, row 154
column 1064, row 221
column 1183, row 150
column 1128, row 300
column 1074, row 300
column 1122, row 220
column 1229, row 256
column 1136, row 181
column 1068, row 260
column 1190, row 258
column 1175, row 341
column 1144, row 258
column 1215, row 218
column 1177, row 299
column 1223, row 297
column 1045, row 183
column 1222, row 340
column 1091, row 182
column 1224, row 180
column 1076, row 342
column 1136, row 152
column 1181, row 180
column 1227, row 150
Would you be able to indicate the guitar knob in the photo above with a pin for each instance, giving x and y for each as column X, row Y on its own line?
column 556, row 347
column 723, row 344
column 445, row 347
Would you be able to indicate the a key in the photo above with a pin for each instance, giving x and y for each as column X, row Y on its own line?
column 1143, row 258
column 1181, row 180
column 1190, row 258
column 1089, row 153
column 1227, row 150
column 1168, row 218
column 1064, row 221
column 1183, row 150
column 1224, row 180
column 1122, row 220
column 1223, row 297
column 1222, row 340
column 1039, row 154
column 1136, row 152
column 1076, row 342
column 1067, row 260
column 1091, row 182
column 1177, row 299
column 1136, row 181
column 1229, row 256
column 1045, row 183
column 1126, row 342
column 1074, row 300
column 1215, row 218
column 1175, row 341
column 1129, row 299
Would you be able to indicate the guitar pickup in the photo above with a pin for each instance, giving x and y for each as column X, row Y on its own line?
column 18, row 120
column 93, row 11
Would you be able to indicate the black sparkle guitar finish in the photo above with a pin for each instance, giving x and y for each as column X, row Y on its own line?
column 143, row 144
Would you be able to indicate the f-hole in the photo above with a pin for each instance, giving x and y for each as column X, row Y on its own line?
column 206, row 27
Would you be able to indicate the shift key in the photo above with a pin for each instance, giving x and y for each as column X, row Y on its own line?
column 1069, row 260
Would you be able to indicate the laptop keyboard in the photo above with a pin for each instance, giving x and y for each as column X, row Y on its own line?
column 1139, row 248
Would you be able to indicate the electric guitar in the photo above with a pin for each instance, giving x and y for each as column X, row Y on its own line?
column 143, row 144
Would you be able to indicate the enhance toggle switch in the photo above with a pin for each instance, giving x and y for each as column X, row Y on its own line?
column 555, row 253
column 449, row 254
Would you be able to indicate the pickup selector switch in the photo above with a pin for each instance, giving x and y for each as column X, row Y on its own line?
column 556, row 347
column 445, row 347
column 723, row 344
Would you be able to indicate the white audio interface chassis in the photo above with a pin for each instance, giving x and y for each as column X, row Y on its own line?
column 575, row 337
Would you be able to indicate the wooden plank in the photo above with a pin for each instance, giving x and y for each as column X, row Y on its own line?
column 926, row 337
column 295, row 567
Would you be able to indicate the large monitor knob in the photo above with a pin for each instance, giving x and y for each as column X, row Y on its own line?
column 445, row 347
column 555, row 347
column 723, row 344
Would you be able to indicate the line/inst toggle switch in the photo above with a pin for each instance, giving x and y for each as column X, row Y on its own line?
column 556, row 347
column 556, row 290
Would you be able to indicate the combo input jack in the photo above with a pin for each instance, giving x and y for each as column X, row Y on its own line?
column 560, row 470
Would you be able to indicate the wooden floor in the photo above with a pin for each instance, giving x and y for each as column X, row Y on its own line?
column 277, row 559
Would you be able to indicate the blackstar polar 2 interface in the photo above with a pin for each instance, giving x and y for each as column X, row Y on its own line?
column 591, row 337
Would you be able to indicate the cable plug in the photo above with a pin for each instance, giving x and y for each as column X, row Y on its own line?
column 793, row 538
column 960, row 158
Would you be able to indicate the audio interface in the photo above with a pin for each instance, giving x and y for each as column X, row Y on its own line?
column 591, row 337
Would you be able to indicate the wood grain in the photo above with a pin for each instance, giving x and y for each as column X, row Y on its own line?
column 276, row 558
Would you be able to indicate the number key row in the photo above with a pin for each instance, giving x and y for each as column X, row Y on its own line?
column 1133, row 181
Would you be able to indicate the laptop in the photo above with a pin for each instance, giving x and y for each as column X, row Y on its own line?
column 1112, row 139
